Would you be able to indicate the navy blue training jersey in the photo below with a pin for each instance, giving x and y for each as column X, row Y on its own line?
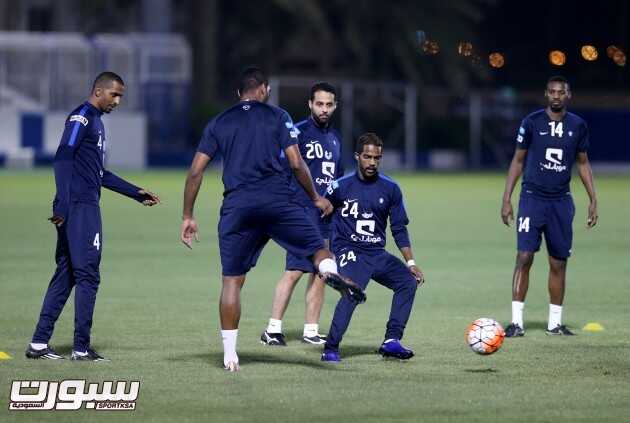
column 250, row 136
column 362, row 209
column 320, row 148
column 552, row 147
column 79, row 162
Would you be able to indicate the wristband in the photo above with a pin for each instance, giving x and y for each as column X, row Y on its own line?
column 411, row 262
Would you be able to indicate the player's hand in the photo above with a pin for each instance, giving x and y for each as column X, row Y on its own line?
column 189, row 232
column 324, row 206
column 150, row 199
column 57, row 220
column 417, row 273
column 592, row 215
column 507, row 214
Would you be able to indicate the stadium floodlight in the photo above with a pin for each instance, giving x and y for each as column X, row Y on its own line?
column 619, row 57
column 610, row 50
column 497, row 60
column 431, row 47
column 557, row 58
column 465, row 48
column 589, row 52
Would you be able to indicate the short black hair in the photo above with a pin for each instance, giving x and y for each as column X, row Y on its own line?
column 558, row 78
column 251, row 77
column 323, row 86
column 104, row 79
column 369, row 138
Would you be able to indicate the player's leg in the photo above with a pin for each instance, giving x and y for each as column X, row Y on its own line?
column 85, row 238
column 520, row 285
column 358, row 267
column 392, row 273
column 284, row 289
column 241, row 241
column 57, row 294
column 314, row 296
column 559, row 237
column 230, row 313
column 529, row 225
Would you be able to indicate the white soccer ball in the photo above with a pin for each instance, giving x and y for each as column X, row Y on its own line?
column 485, row 336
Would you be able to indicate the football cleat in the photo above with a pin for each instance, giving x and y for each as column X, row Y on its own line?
column 43, row 354
column 276, row 339
column 513, row 330
column 560, row 330
column 90, row 355
column 315, row 340
column 232, row 366
column 331, row 356
column 346, row 287
column 393, row 348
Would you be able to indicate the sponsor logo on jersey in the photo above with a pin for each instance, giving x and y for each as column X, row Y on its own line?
column 78, row 118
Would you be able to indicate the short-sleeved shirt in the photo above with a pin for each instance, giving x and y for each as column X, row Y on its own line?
column 552, row 147
column 362, row 208
column 250, row 137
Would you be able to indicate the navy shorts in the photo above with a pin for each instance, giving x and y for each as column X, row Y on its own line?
column 245, row 230
column 551, row 217
column 384, row 268
column 301, row 263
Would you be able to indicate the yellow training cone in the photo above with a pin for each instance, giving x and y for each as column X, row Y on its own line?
column 593, row 327
column 5, row 356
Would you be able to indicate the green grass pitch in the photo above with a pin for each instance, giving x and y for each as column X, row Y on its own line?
column 157, row 319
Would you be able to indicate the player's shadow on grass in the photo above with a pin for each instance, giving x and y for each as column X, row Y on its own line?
column 254, row 358
column 356, row 350
column 535, row 325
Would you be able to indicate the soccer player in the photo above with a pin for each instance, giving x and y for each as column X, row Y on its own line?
column 79, row 176
column 257, row 204
column 320, row 147
column 549, row 141
column 363, row 202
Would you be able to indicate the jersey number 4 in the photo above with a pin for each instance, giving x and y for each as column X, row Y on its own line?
column 97, row 241
column 523, row 224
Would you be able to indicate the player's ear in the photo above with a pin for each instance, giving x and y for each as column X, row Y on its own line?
column 356, row 156
column 238, row 93
column 310, row 105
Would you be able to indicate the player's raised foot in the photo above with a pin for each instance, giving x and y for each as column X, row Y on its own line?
column 231, row 366
column 331, row 356
column 42, row 354
column 346, row 287
column 559, row 330
column 393, row 348
column 314, row 340
column 513, row 330
column 276, row 339
column 89, row 355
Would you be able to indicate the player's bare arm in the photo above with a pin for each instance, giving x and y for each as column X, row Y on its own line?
column 515, row 171
column 303, row 176
column 586, row 174
column 411, row 264
column 189, row 230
